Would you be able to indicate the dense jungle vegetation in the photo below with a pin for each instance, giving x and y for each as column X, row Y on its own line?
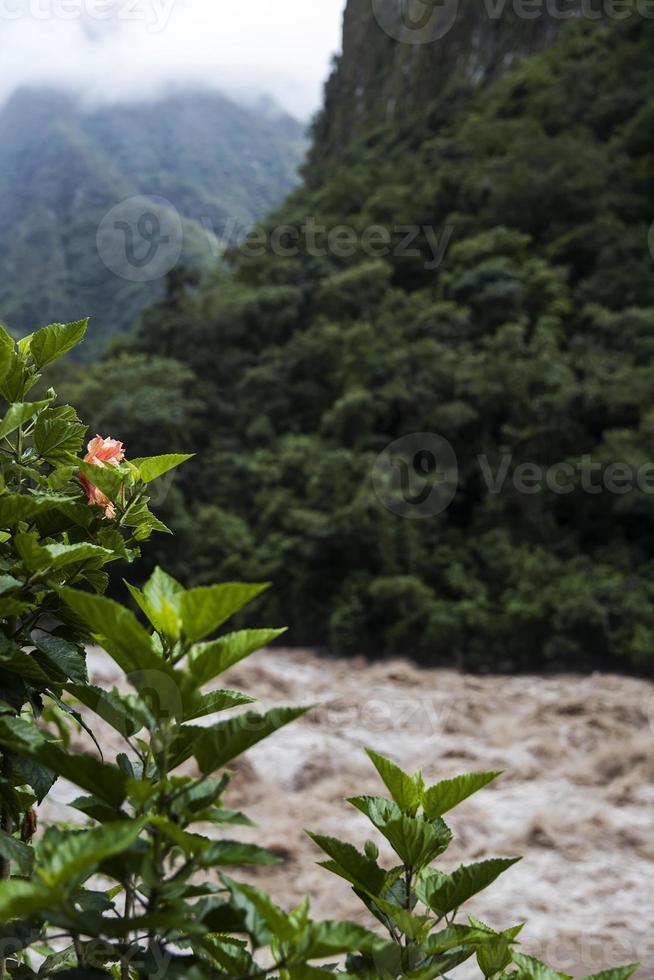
column 531, row 341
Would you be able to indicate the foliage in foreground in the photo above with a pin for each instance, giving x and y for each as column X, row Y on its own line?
column 134, row 888
column 530, row 343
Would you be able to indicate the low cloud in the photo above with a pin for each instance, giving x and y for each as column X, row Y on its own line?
column 112, row 50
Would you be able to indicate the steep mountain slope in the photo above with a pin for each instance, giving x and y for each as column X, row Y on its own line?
column 398, row 57
column 62, row 168
column 516, row 324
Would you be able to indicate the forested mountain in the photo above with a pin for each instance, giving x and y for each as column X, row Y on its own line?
column 63, row 167
column 517, row 324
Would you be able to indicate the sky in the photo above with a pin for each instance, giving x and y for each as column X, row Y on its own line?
column 112, row 50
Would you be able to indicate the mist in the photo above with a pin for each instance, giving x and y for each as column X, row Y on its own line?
column 117, row 50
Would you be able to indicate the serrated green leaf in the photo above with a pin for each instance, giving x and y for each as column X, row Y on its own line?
column 8, row 584
column 61, row 555
column 57, row 440
column 160, row 601
column 354, row 866
column 51, row 342
column 19, row 507
column 209, row 660
column 206, row 609
column 85, row 771
column 225, row 741
column 23, row 899
column 417, row 842
column 64, row 854
column 444, row 796
column 227, row 853
column 23, row 664
column 405, row 791
column 68, row 657
column 11, row 849
column 619, row 973
column 108, row 479
column 466, row 881
column 126, row 714
column 533, row 969
column 457, row 935
column 152, row 467
column 122, row 636
column 19, row 413
column 325, row 939
column 37, row 777
column 277, row 921
column 201, row 705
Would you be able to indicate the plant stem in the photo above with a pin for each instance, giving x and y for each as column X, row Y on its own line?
column 5, row 864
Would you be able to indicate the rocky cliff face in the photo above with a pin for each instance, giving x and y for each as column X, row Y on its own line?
column 398, row 54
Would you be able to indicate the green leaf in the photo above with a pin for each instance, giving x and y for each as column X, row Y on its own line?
column 279, row 924
column 56, row 440
column 160, row 601
column 7, row 352
column 533, row 969
column 209, row 660
column 352, row 865
column 108, row 479
column 457, row 935
column 87, row 772
column 51, row 342
column 227, row 852
column 70, row 659
column 444, row 796
column 222, row 743
column 61, row 555
column 22, row 899
column 37, row 777
column 619, row 973
column 15, row 607
column 14, row 850
column 152, row 467
column 406, row 792
column 15, row 508
column 206, row 609
column 123, row 637
column 494, row 957
column 24, row 664
column 126, row 714
column 465, row 882
column 417, row 842
column 63, row 855
column 105, row 781
column 18, row 413
column 8, row 583
column 201, row 705
column 325, row 939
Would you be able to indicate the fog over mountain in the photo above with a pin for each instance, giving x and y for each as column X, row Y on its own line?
column 110, row 50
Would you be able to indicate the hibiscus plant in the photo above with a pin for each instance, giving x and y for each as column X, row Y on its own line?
column 133, row 885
